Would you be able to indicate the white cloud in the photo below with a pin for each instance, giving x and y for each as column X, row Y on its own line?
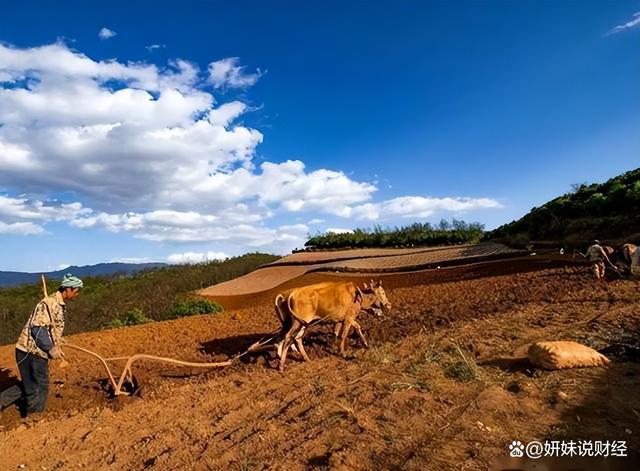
column 23, row 208
column 148, row 150
column 106, row 33
column 153, row 47
column 24, row 216
column 632, row 23
column 418, row 207
column 70, row 130
column 135, row 260
column 20, row 228
column 227, row 73
column 195, row 257
column 323, row 190
column 236, row 226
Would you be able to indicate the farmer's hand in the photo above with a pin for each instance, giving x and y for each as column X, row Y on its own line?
column 56, row 353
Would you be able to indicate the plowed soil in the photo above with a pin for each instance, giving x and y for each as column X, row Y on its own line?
column 443, row 253
column 357, row 261
column 443, row 385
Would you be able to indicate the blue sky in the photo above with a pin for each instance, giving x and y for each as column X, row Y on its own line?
column 173, row 132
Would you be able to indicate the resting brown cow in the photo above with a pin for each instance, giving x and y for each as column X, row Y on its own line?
column 331, row 302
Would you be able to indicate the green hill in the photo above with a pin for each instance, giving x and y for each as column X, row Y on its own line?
column 109, row 301
column 608, row 211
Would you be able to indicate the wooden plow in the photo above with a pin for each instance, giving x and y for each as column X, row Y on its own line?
column 126, row 383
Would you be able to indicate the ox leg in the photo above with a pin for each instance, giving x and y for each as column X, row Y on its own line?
column 300, row 345
column 280, row 345
column 360, row 334
column 286, row 319
column 346, row 327
column 336, row 329
column 288, row 338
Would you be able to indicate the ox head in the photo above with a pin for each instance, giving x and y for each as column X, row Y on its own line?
column 375, row 299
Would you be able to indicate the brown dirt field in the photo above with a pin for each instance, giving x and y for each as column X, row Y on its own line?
column 422, row 259
column 324, row 256
column 409, row 402
column 356, row 261
column 256, row 281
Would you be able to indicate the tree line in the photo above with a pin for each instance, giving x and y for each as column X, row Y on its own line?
column 413, row 235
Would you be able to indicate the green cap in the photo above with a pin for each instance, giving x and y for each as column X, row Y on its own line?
column 70, row 281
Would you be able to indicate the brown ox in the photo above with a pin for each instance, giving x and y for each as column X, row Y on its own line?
column 339, row 303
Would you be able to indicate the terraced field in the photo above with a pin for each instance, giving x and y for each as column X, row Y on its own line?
column 357, row 261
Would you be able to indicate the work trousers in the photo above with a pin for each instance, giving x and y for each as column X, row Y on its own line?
column 34, row 371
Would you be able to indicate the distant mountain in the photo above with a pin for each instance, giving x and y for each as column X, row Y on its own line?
column 14, row 278
column 608, row 211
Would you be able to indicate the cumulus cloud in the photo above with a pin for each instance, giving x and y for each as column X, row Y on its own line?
column 418, row 207
column 632, row 23
column 20, row 228
column 153, row 47
column 148, row 150
column 23, row 208
column 227, row 73
column 21, row 215
column 106, row 33
column 195, row 257
column 236, row 225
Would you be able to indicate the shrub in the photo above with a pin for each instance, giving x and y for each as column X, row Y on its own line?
column 133, row 317
column 460, row 371
column 191, row 307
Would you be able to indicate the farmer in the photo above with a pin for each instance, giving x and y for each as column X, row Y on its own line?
column 631, row 256
column 597, row 256
column 41, row 340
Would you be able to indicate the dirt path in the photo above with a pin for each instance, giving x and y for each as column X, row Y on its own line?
column 407, row 403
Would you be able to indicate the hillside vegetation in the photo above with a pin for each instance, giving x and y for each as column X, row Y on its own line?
column 158, row 294
column 414, row 235
column 14, row 278
column 607, row 211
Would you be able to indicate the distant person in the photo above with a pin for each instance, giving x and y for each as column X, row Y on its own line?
column 41, row 340
column 597, row 255
column 631, row 256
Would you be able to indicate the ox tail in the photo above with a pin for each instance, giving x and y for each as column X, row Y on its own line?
column 290, row 307
column 278, row 303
